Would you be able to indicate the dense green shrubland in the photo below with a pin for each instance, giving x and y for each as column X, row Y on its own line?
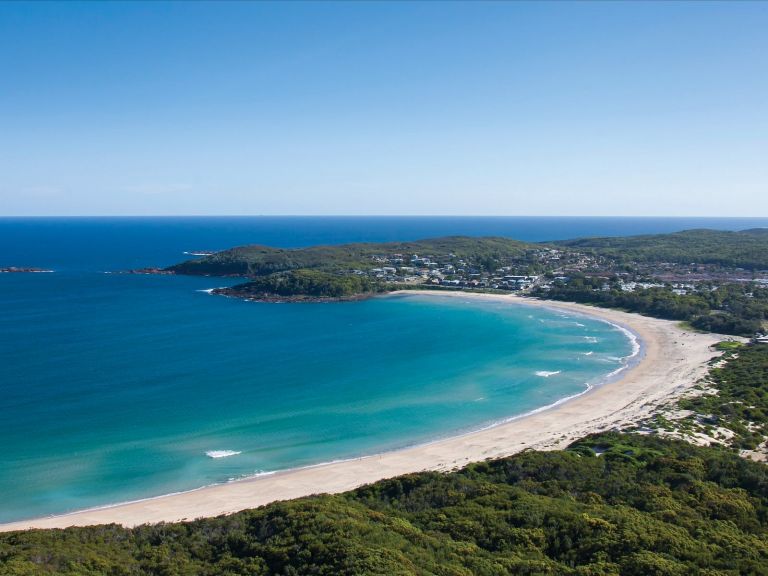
column 745, row 249
column 305, row 283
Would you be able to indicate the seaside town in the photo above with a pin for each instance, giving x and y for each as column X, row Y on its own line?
column 709, row 296
column 714, row 281
column 548, row 267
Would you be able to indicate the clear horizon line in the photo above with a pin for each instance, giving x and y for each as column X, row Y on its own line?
column 10, row 216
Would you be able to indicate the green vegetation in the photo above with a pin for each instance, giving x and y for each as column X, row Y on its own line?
column 727, row 345
column 745, row 249
column 738, row 309
column 644, row 506
column 734, row 406
column 307, row 283
column 343, row 271
column 263, row 260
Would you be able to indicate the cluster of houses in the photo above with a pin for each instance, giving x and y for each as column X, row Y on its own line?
column 679, row 288
column 448, row 270
column 508, row 282
column 545, row 267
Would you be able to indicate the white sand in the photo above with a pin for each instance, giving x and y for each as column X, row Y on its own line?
column 673, row 360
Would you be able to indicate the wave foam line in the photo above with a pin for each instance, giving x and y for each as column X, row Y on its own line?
column 222, row 453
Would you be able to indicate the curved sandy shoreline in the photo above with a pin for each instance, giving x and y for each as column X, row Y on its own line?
column 672, row 360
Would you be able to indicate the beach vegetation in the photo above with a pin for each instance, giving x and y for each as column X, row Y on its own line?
column 733, row 406
column 727, row 345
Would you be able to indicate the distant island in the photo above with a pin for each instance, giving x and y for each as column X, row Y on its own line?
column 23, row 270
column 715, row 280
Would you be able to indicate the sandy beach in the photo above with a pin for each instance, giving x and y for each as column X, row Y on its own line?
column 671, row 361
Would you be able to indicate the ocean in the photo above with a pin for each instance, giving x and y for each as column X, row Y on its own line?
column 121, row 387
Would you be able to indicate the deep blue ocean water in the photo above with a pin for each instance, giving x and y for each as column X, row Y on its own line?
column 114, row 387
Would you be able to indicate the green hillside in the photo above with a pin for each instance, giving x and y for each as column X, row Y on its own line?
column 745, row 249
column 262, row 260
column 304, row 284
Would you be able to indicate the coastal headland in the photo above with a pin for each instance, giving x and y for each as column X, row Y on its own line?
column 672, row 360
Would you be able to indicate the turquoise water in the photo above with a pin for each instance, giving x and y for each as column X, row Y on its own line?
column 128, row 404
column 118, row 387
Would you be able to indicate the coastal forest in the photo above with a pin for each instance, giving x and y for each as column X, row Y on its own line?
column 739, row 309
column 306, row 284
column 629, row 504
column 743, row 249
column 262, row 260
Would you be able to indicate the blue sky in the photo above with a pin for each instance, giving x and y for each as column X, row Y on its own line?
column 384, row 108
